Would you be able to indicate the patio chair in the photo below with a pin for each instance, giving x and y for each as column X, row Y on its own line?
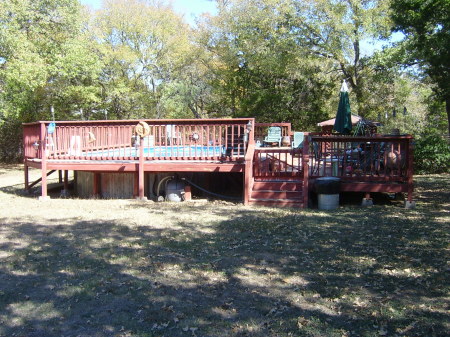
column 298, row 140
column 273, row 136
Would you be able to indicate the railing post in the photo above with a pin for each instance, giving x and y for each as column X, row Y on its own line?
column 43, row 156
column 141, row 170
column 248, row 168
column 247, row 180
column 305, row 165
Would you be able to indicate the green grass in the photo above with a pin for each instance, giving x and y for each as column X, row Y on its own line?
column 229, row 270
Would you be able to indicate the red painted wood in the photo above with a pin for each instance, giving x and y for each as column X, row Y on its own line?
column 43, row 162
column 373, row 187
column 305, row 169
column 69, row 148
column 187, row 193
column 248, row 178
column 273, row 194
column 277, row 203
column 141, row 169
column 282, row 186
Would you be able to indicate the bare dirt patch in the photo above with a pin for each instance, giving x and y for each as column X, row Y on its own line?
column 72, row 267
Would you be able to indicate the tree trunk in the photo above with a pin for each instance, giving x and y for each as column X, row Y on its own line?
column 194, row 110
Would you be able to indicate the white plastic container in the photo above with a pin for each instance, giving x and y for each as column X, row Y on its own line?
column 327, row 189
column 328, row 201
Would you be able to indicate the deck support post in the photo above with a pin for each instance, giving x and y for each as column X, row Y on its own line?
column 248, row 167
column 305, row 167
column 249, row 159
column 141, row 195
column 27, row 179
column 247, row 178
column 44, row 195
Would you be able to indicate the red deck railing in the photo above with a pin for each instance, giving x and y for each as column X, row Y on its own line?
column 212, row 139
column 382, row 158
column 377, row 164
column 277, row 162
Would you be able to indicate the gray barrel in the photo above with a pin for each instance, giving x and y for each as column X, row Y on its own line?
column 327, row 189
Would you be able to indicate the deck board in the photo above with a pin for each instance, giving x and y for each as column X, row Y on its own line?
column 131, row 165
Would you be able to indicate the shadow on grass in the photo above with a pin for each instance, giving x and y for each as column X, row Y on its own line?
column 238, row 272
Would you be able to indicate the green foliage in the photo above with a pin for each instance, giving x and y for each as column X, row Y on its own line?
column 261, row 68
column 47, row 59
column 426, row 25
column 335, row 30
column 402, row 93
column 274, row 60
column 284, row 61
column 432, row 154
column 436, row 118
column 144, row 46
column 427, row 28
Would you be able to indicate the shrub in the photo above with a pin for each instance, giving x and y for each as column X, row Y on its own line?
column 432, row 154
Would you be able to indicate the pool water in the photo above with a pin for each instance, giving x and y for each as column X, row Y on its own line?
column 162, row 151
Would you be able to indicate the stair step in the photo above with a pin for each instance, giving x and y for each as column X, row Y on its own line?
column 277, row 202
column 279, row 179
column 280, row 191
column 270, row 194
column 277, row 186
column 278, row 199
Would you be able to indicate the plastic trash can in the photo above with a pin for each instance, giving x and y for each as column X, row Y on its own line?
column 327, row 189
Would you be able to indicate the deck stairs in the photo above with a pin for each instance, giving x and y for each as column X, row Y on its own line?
column 278, row 192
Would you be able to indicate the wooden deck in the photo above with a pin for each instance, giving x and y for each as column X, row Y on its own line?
column 366, row 164
column 271, row 176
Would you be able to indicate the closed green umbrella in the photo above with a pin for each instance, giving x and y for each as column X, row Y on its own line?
column 343, row 122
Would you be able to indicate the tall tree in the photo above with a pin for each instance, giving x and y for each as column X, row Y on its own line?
column 336, row 30
column 45, row 59
column 260, row 68
column 144, row 44
column 426, row 25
